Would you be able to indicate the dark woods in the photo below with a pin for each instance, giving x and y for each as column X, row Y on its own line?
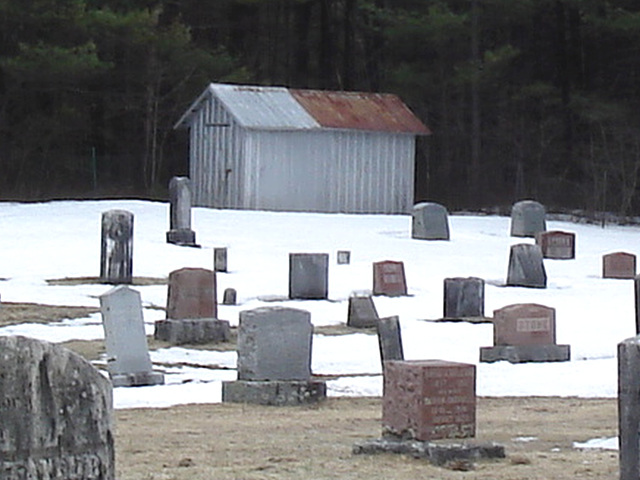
column 527, row 98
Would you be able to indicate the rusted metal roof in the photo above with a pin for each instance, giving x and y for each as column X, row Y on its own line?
column 360, row 111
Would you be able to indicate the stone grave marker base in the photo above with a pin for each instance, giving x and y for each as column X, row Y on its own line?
column 435, row 453
column 526, row 353
column 141, row 379
column 182, row 237
column 277, row 393
column 196, row 330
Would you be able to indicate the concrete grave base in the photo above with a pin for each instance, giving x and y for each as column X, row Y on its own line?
column 141, row 379
column 526, row 353
column 278, row 393
column 436, row 453
column 182, row 237
column 197, row 330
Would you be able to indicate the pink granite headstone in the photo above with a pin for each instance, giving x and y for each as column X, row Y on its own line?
column 192, row 294
column 389, row 279
column 557, row 245
column 524, row 324
column 619, row 265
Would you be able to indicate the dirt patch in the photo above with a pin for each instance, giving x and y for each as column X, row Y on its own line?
column 136, row 281
column 234, row 441
column 16, row 313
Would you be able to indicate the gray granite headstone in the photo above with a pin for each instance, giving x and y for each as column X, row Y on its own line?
column 629, row 408
column 56, row 415
column 229, row 296
column 274, row 343
column 526, row 267
column 308, row 275
column 362, row 312
column 463, row 297
column 527, row 219
column 180, row 232
column 116, row 251
column 429, row 222
column 636, row 294
column 390, row 339
column 343, row 257
column 220, row 259
column 128, row 359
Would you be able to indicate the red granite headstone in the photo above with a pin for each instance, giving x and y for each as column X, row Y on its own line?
column 191, row 294
column 524, row 324
column 619, row 265
column 389, row 279
column 429, row 399
column 557, row 245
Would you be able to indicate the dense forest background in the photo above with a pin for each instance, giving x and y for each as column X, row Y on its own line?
column 526, row 98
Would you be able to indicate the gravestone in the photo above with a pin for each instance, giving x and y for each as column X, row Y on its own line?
column 220, row 259
column 429, row 221
column 525, row 332
column 526, row 267
column 636, row 292
column 362, row 312
column 344, row 257
column 229, row 296
column 629, row 408
column 116, row 248
column 619, row 265
column 429, row 399
column 128, row 359
column 527, row 219
column 274, row 359
column 390, row 339
column 389, row 278
column 308, row 276
column 463, row 297
column 557, row 245
column 180, row 232
column 55, row 416
column 192, row 309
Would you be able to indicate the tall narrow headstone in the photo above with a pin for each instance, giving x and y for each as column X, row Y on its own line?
column 274, row 359
column 389, row 278
column 390, row 339
column 192, row 309
column 463, row 297
column 116, row 251
column 619, row 265
column 308, row 276
column 429, row 221
column 362, row 312
column 180, row 232
column 636, row 290
column 56, row 415
column 220, row 259
column 128, row 359
column 527, row 219
column 526, row 267
column 629, row 408
column 429, row 399
column 557, row 245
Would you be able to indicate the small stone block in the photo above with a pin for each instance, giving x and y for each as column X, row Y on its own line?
column 276, row 393
column 619, row 265
column 229, row 296
column 220, row 259
column 344, row 257
column 526, row 353
column 182, row 237
column 389, row 279
column 141, row 379
column 192, row 331
column 557, row 245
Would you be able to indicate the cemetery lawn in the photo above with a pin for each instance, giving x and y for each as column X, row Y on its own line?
column 236, row 441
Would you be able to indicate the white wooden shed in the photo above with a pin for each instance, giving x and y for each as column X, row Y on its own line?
column 274, row 148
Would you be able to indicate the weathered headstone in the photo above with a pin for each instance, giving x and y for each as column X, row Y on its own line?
column 344, row 257
column 116, row 250
column 180, row 232
column 619, row 265
column 390, row 339
column 128, row 359
column 192, row 309
column 220, row 259
column 308, row 276
column 629, row 408
column 362, row 312
column 274, row 359
column 429, row 399
column 525, row 332
column 463, row 297
column 229, row 296
column 526, row 267
column 527, row 219
column 56, row 415
column 557, row 245
column 636, row 291
column 429, row 221
column 389, row 278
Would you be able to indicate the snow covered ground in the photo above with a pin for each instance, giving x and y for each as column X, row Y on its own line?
column 62, row 239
